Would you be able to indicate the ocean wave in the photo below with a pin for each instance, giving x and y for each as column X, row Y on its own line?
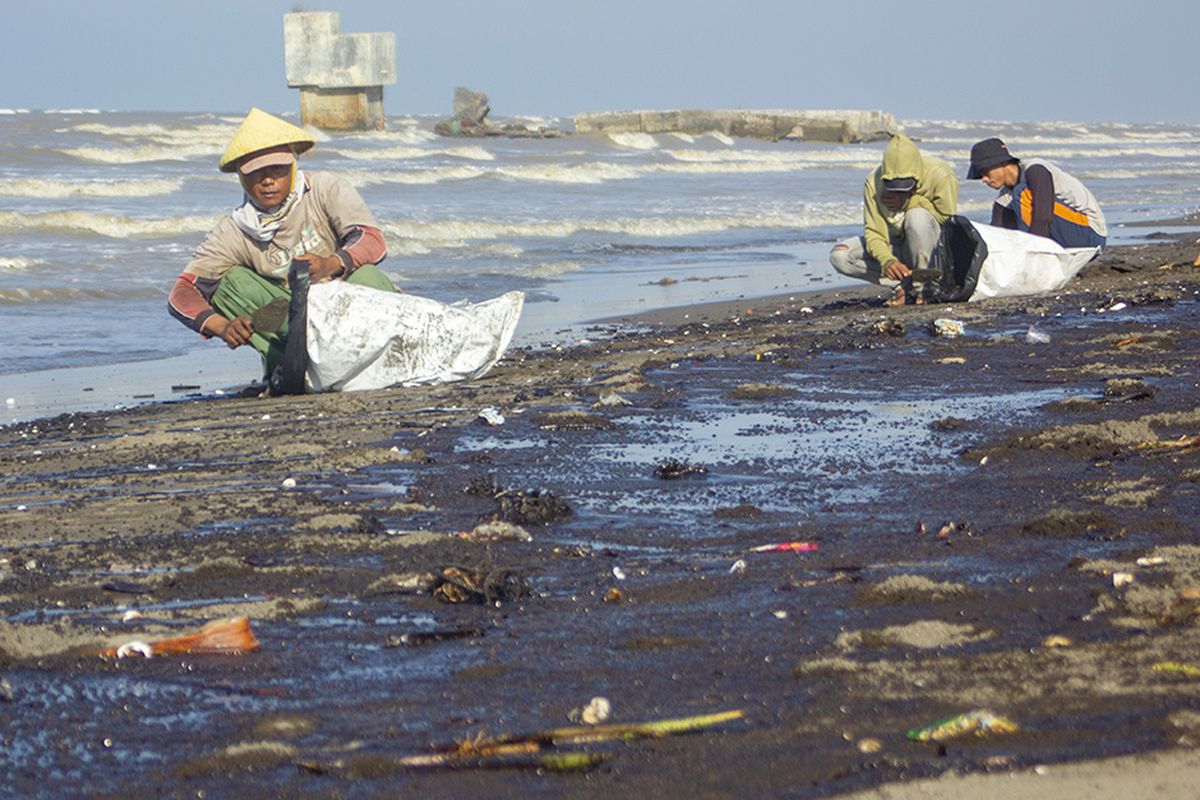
column 472, row 152
column 142, row 153
column 550, row 269
column 59, row 294
column 10, row 111
column 454, row 232
column 48, row 188
column 414, row 177
column 81, row 222
column 18, row 263
column 837, row 156
column 1128, row 150
column 211, row 136
column 722, row 138
column 634, row 141
column 72, row 111
column 407, row 133
column 597, row 172
column 684, row 137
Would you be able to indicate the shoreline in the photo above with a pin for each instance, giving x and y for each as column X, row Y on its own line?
column 184, row 512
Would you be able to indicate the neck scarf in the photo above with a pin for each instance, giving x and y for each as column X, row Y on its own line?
column 261, row 225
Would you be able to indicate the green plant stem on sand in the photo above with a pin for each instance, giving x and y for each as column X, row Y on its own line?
column 512, row 751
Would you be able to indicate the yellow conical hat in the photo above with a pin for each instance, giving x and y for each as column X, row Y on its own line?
column 261, row 131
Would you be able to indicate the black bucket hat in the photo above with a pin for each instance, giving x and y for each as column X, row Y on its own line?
column 988, row 154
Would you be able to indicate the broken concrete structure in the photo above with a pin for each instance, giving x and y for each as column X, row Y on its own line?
column 813, row 126
column 340, row 75
column 470, row 119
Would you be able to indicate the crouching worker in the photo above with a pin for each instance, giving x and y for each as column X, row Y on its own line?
column 905, row 201
column 1038, row 197
column 241, row 266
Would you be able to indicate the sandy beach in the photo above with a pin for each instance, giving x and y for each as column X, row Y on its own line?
column 992, row 521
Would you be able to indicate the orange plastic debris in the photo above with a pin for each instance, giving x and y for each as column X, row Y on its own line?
column 222, row 636
column 785, row 547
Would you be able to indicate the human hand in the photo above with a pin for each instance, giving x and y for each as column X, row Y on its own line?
column 897, row 271
column 322, row 268
column 234, row 333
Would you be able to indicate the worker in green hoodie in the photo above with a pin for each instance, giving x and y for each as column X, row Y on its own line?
column 905, row 202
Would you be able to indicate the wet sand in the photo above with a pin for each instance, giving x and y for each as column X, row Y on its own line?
column 1000, row 524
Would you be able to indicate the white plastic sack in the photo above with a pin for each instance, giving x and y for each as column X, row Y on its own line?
column 1020, row 263
column 362, row 338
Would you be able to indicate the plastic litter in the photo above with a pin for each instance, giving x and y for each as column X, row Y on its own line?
column 597, row 710
column 979, row 723
column 223, row 636
column 786, row 547
column 496, row 531
column 943, row 326
column 1034, row 336
column 361, row 338
column 491, row 416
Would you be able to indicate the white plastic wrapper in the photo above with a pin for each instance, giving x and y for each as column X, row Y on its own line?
column 361, row 338
column 1020, row 263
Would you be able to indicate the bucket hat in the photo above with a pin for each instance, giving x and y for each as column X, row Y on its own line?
column 988, row 154
column 262, row 131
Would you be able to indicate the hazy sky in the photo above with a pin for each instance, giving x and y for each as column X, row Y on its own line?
column 1020, row 60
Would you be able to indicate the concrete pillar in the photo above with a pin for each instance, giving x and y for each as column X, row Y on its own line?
column 340, row 75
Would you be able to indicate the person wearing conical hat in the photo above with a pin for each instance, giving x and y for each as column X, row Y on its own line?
column 285, row 214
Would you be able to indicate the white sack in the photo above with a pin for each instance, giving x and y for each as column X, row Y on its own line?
column 1020, row 263
column 362, row 338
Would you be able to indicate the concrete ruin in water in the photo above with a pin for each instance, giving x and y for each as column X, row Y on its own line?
column 810, row 126
column 340, row 75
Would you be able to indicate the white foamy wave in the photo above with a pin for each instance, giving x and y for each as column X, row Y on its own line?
column 414, row 177
column 683, row 137
column 136, row 155
column 722, row 138
column 634, row 141
column 81, row 222
column 1127, row 150
column 17, row 263
column 57, row 294
column 10, row 111
column 832, row 156
column 551, row 269
column 472, row 152
column 502, row 249
column 1138, row 172
column 73, row 111
column 37, row 187
column 452, row 233
column 597, row 172
column 407, row 132
column 406, row 247
column 208, row 135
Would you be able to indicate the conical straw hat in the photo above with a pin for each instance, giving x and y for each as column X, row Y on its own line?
column 261, row 131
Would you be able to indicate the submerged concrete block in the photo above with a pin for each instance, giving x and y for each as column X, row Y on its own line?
column 340, row 75
column 817, row 126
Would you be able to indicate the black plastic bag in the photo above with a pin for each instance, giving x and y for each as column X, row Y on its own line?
column 288, row 377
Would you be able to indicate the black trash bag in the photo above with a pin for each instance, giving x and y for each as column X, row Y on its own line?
column 288, row 377
column 959, row 255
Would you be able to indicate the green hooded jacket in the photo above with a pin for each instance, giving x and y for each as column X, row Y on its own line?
column 937, row 192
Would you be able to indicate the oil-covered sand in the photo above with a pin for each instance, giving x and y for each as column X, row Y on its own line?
column 975, row 501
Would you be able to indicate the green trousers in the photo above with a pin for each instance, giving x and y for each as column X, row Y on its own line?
column 243, row 290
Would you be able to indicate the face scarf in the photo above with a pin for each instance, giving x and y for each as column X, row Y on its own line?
column 261, row 225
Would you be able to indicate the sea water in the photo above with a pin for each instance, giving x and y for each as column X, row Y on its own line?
column 100, row 211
